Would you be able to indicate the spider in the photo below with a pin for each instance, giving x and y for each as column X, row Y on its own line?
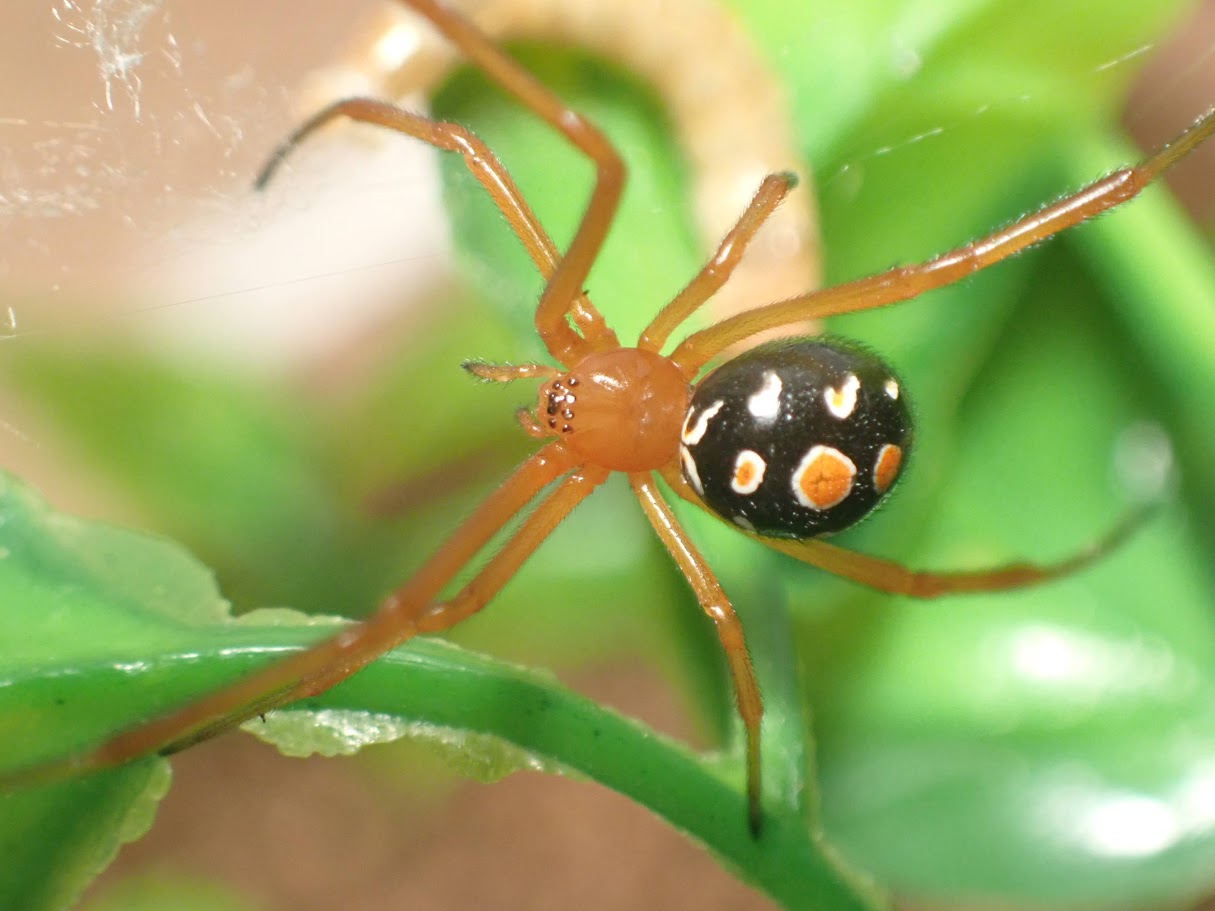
column 788, row 441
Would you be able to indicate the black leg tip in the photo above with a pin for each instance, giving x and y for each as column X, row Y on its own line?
column 755, row 822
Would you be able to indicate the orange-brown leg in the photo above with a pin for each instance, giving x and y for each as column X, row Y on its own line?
column 506, row 562
column 568, row 279
column 508, row 373
column 411, row 609
column 716, row 272
column 400, row 616
column 481, row 162
column 888, row 576
column 526, row 420
column 729, row 630
column 906, row 282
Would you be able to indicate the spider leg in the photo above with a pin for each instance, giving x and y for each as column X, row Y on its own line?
column 896, row 579
column 888, row 576
column 403, row 614
column 715, row 603
column 506, row 562
column 481, row 162
column 717, row 270
column 905, row 282
column 508, row 373
column 527, row 420
column 567, row 280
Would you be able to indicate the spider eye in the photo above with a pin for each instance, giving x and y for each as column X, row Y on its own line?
column 795, row 439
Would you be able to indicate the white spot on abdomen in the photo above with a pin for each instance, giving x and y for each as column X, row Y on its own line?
column 690, row 471
column 694, row 434
column 765, row 404
column 840, row 402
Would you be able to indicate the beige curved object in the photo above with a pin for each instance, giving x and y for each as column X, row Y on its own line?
column 729, row 112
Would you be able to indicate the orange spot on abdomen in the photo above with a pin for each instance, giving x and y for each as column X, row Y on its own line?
column 824, row 478
column 886, row 469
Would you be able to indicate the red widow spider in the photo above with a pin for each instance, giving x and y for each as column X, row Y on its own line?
column 788, row 441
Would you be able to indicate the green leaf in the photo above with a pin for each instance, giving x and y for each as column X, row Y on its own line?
column 56, row 839
column 129, row 627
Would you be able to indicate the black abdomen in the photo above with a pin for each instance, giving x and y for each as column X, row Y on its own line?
column 796, row 438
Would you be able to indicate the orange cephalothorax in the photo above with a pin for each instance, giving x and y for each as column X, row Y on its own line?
column 621, row 409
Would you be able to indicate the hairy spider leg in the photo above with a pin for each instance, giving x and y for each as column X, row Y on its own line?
column 729, row 630
column 484, row 166
column 508, row 373
column 905, row 282
column 896, row 579
column 716, row 272
column 707, row 282
column 408, row 611
column 891, row 577
column 570, row 275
